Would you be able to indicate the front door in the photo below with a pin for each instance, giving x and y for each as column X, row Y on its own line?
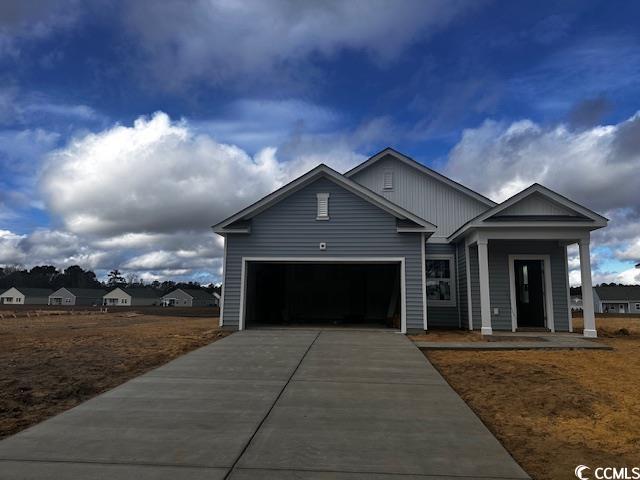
column 529, row 292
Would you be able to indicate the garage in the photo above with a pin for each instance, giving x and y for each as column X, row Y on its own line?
column 350, row 294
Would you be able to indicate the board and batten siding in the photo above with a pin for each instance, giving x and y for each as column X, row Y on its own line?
column 438, row 315
column 356, row 228
column 500, row 294
column 425, row 196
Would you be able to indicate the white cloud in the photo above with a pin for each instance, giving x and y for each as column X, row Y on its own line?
column 216, row 40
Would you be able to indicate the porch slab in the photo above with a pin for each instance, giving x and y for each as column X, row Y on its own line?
column 542, row 342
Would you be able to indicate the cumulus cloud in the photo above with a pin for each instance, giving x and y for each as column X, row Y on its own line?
column 592, row 166
column 215, row 40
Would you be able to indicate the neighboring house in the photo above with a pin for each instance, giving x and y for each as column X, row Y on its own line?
column 216, row 299
column 25, row 296
column 77, row 296
column 125, row 297
column 396, row 242
column 620, row 299
column 188, row 297
column 576, row 303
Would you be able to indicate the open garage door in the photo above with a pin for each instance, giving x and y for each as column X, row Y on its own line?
column 347, row 294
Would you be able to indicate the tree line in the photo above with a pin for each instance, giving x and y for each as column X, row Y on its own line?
column 48, row 276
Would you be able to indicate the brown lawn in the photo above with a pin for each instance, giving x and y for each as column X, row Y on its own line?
column 50, row 364
column 554, row 410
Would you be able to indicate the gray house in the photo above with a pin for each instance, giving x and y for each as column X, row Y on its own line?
column 77, row 296
column 617, row 299
column 394, row 242
column 25, row 296
column 188, row 297
column 126, row 297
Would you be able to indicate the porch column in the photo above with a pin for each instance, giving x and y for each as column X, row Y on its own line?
column 485, row 302
column 587, row 290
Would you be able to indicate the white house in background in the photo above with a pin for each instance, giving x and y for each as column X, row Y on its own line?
column 620, row 299
column 77, row 296
column 25, row 296
column 576, row 303
column 127, row 297
column 188, row 297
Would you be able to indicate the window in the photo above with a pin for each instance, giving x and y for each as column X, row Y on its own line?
column 637, row 306
column 8, row 299
column 323, row 206
column 67, row 300
column 440, row 280
column 123, row 300
column 387, row 181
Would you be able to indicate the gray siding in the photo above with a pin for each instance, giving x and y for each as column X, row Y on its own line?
column 427, row 197
column 442, row 316
column 499, row 251
column 475, row 287
column 536, row 204
column 462, row 284
column 182, row 299
column 356, row 229
column 65, row 296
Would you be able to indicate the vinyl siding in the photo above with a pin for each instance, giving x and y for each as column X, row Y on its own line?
column 443, row 316
column 499, row 251
column 475, row 287
column 425, row 196
column 65, row 295
column 183, row 300
column 536, row 204
column 356, row 228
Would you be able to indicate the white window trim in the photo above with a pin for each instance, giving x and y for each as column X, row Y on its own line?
column 452, row 280
column 548, row 289
column 322, row 197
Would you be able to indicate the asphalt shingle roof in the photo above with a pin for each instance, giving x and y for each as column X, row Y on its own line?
column 625, row 292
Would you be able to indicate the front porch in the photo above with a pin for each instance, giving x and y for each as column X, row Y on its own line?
column 518, row 280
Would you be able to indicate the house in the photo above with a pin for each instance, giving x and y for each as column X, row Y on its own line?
column 216, row 299
column 576, row 303
column 188, row 297
column 77, row 296
column 25, row 296
column 617, row 299
column 136, row 297
column 394, row 242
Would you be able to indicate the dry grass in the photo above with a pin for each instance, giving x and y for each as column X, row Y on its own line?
column 436, row 335
column 50, row 364
column 554, row 410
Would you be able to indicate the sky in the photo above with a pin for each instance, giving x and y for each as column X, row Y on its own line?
column 127, row 129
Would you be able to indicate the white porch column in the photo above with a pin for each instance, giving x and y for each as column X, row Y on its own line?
column 485, row 302
column 587, row 289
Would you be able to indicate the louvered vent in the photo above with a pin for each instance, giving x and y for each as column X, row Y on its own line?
column 387, row 183
column 323, row 206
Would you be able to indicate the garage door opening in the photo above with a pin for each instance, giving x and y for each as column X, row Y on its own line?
column 329, row 294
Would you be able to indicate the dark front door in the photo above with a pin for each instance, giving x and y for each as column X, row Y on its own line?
column 529, row 292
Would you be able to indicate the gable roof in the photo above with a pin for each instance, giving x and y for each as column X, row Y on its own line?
column 194, row 293
column 83, row 292
column 143, row 292
column 622, row 292
column 422, row 169
column 321, row 171
column 583, row 216
column 32, row 292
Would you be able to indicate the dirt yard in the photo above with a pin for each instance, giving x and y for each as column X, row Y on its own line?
column 556, row 410
column 52, row 363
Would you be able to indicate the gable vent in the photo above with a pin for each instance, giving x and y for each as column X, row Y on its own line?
column 323, row 206
column 387, row 181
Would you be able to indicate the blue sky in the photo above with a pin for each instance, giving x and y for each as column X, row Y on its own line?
column 167, row 106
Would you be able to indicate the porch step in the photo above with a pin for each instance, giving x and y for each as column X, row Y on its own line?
column 532, row 329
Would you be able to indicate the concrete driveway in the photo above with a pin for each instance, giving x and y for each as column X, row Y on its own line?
column 270, row 404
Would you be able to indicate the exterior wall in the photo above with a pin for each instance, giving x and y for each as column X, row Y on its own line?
column 536, row 204
column 144, row 301
column 36, row 300
column 16, row 297
column 65, row 296
column 356, row 228
column 500, row 296
column 421, row 194
column 437, row 315
column 182, row 299
column 475, row 287
column 122, row 299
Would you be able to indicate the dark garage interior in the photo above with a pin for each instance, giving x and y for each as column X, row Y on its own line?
column 348, row 294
